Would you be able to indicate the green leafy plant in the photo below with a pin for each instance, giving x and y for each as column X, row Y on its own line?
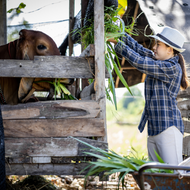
column 110, row 162
column 112, row 30
column 18, row 9
column 60, row 89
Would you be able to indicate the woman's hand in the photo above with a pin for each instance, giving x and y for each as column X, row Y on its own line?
column 112, row 40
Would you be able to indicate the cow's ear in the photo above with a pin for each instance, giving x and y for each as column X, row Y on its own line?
column 20, row 33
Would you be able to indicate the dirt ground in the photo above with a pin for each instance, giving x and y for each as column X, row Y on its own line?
column 67, row 183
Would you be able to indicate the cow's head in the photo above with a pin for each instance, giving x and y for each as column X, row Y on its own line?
column 33, row 43
column 29, row 44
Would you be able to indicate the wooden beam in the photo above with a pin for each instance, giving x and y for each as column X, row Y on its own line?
column 100, row 59
column 49, row 67
column 28, row 149
column 184, row 105
column 79, row 127
column 3, row 22
column 123, row 59
column 46, row 169
column 143, row 77
column 84, row 5
column 184, row 93
column 48, row 147
column 71, row 23
column 186, row 146
column 51, row 110
column 89, row 51
column 32, row 147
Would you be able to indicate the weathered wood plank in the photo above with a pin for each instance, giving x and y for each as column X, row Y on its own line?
column 51, row 109
column 76, row 159
column 89, row 51
column 186, row 145
column 36, row 147
column 3, row 22
column 48, row 159
column 79, row 127
column 41, row 159
column 71, row 23
column 184, row 93
column 49, row 67
column 100, row 59
column 19, row 160
column 186, row 125
column 46, row 169
column 84, row 148
column 87, row 92
column 184, row 105
column 48, row 150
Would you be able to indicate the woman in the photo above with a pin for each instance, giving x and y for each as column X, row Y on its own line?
column 165, row 70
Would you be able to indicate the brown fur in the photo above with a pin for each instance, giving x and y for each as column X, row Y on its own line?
column 26, row 47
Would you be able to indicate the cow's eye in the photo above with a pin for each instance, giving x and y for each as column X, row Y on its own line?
column 41, row 47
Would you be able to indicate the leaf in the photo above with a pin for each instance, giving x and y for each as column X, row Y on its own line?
column 22, row 6
column 158, row 157
column 64, row 89
column 119, row 73
column 10, row 10
column 112, row 86
column 71, row 97
column 18, row 11
column 138, row 161
column 129, row 165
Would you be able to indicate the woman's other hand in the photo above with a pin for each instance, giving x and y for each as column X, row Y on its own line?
column 112, row 40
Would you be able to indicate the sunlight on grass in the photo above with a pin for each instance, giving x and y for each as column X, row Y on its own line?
column 122, row 125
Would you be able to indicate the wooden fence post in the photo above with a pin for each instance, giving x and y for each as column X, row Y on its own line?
column 100, row 59
column 71, row 22
column 3, row 22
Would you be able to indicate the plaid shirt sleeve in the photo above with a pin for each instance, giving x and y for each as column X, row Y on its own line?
column 142, row 59
column 128, row 40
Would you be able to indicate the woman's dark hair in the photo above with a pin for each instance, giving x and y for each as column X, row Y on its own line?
column 181, row 61
column 184, row 79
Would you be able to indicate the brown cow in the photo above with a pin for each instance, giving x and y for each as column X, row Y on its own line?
column 29, row 44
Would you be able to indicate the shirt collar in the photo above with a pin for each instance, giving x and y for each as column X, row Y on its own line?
column 173, row 59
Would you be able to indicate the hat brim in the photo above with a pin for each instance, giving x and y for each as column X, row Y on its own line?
column 157, row 38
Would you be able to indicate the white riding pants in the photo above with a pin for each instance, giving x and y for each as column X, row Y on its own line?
column 168, row 145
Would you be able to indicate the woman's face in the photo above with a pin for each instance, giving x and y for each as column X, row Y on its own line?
column 161, row 51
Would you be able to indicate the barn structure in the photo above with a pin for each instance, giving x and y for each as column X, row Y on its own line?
column 37, row 134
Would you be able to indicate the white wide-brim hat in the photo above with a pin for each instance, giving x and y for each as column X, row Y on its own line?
column 171, row 37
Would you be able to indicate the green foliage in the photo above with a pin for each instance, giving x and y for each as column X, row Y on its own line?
column 110, row 162
column 17, row 10
column 60, row 89
column 13, row 33
column 129, row 108
column 112, row 30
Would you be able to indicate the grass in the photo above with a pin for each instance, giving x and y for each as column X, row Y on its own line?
column 122, row 138
column 122, row 127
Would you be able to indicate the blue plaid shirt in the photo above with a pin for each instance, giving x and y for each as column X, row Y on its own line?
column 162, row 85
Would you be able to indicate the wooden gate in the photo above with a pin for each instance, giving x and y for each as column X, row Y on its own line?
column 37, row 134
